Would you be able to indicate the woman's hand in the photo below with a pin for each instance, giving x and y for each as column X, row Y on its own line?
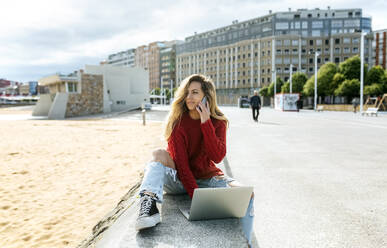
column 204, row 112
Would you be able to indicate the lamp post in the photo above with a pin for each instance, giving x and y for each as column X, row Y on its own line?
column 161, row 91
column 290, row 80
column 361, row 70
column 170, row 99
column 315, row 80
column 275, row 83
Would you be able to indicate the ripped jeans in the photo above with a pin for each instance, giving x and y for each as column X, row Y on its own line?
column 159, row 178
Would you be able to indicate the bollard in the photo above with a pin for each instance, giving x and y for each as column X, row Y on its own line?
column 143, row 117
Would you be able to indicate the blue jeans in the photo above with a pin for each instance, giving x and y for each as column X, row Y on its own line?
column 158, row 177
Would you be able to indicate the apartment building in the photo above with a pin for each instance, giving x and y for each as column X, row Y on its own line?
column 123, row 58
column 245, row 56
column 379, row 47
column 141, row 57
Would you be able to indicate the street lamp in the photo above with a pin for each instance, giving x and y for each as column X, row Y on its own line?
column 275, row 83
column 361, row 70
column 162, row 91
column 291, row 72
column 315, row 80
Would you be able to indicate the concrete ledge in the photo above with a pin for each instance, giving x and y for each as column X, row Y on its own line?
column 117, row 230
column 173, row 231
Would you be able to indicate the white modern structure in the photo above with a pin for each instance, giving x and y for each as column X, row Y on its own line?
column 124, row 88
column 94, row 90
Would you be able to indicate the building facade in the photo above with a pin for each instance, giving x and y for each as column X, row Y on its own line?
column 245, row 56
column 379, row 46
column 123, row 58
column 168, row 64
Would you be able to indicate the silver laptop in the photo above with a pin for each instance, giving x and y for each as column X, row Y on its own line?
column 218, row 203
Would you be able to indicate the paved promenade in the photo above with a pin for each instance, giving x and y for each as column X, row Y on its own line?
column 320, row 180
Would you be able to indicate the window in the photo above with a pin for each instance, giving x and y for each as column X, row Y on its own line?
column 346, row 40
column 337, row 50
column 318, row 42
column 316, row 33
column 282, row 26
column 72, row 88
column 311, row 42
column 337, row 60
column 286, row 42
column 317, row 24
column 346, row 50
column 355, row 50
column 294, row 42
column 310, row 60
column 326, row 42
column 337, row 41
column 279, row 51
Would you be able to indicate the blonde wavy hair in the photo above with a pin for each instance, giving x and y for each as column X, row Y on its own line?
column 179, row 106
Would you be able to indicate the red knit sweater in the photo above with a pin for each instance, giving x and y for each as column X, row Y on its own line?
column 194, row 147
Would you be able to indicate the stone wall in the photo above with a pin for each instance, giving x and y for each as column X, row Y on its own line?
column 90, row 100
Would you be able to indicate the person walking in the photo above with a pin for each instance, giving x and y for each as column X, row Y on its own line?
column 196, row 135
column 255, row 103
column 354, row 104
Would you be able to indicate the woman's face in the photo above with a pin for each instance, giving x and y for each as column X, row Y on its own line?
column 195, row 95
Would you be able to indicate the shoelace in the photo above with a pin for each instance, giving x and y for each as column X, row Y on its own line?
column 146, row 205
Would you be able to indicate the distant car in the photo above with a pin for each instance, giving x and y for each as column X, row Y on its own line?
column 146, row 106
column 245, row 104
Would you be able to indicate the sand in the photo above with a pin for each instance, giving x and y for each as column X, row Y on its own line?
column 59, row 178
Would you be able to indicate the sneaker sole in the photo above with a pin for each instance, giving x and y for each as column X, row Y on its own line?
column 147, row 222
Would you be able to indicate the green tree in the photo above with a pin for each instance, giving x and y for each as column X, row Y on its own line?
column 374, row 90
column 278, row 87
column 298, row 81
column 349, row 88
column 157, row 91
column 338, row 79
column 324, row 80
column 350, row 68
column 264, row 91
column 376, row 75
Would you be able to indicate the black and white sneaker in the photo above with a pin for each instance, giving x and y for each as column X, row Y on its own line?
column 149, row 215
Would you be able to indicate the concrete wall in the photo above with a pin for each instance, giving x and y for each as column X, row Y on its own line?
column 124, row 88
column 58, row 107
column 43, row 105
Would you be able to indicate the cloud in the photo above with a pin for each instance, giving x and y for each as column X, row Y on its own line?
column 38, row 36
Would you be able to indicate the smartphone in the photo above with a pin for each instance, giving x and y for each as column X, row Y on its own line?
column 204, row 102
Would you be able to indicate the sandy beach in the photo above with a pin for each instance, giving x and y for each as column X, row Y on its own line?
column 59, row 178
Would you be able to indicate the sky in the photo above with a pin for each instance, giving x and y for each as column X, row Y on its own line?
column 40, row 38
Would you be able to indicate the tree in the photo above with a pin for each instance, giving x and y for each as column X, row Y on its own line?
column 338, row 79
column 278, row 87
column 298, row 81
column 324, row 79
column 374, row 90
column 351, row 68
column 375, row 76
column 349, row 88
column 157, row 91
column 264, row 91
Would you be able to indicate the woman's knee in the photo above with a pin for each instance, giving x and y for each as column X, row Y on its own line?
column 162, row 156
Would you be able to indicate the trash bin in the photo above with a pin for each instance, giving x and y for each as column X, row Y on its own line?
column 299, row 104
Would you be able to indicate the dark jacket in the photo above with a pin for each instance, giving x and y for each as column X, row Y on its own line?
column 255, row 102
